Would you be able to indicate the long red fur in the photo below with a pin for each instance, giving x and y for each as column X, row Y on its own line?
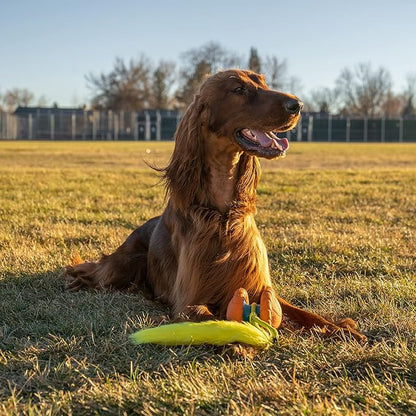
column 206, row 243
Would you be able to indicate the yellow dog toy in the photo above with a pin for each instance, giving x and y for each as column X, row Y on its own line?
column 255, row 332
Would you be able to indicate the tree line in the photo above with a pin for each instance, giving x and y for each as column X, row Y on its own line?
column 139, row 83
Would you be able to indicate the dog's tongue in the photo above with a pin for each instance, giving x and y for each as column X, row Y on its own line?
column 268, row 139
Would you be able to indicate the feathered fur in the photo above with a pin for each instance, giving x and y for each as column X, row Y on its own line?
column 206, row 243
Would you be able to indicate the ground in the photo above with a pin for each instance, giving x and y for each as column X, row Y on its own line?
column 339, row 221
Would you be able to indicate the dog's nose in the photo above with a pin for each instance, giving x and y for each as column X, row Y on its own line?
column 293, row 105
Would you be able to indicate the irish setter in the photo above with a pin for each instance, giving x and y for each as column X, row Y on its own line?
column 206, row 243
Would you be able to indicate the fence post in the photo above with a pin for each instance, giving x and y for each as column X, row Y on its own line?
column 401, row 129
column 383, row 129
column 94, row 125
column 109, row 124
column 135, row 126
column 329, row 127
column 73, row 125
column 299, row 130
column 52, row 125
column 365, row 129
column 116, row 125
column 6, row 130
column 310, row 128
column 84, row 130
column 158, row 125
column 8, row 126
column 121, row 123
column 147, row 126
column 30, row 126
column 348, row 130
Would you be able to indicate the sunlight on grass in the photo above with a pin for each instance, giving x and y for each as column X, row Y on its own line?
column 339, row 222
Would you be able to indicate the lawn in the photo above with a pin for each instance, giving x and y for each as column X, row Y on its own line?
column 339, row 221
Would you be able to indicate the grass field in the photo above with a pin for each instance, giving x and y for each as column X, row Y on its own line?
column 339, row 221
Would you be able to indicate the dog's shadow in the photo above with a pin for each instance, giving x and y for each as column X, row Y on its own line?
column 40, row 321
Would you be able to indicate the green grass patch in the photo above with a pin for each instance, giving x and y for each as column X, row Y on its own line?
column 339, row 221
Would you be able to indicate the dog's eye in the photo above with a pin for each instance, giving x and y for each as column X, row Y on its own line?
column 239, row 90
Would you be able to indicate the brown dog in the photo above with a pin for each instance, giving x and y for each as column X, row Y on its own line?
column 206, row 244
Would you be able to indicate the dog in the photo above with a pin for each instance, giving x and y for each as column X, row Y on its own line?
column 206, row 244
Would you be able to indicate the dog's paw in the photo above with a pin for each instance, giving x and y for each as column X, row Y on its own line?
column 346, row 328
column 79, row 277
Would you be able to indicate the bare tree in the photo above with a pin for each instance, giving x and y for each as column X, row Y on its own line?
column 214, row 54
column 409, row 96
column 191, row 83
column 363, row 90
column 161, row 85
column 254, row 61
column 202, row 61
column 392, row 105
column 42, row 101
column 126, row 87
column 17, row 97
column 410, row 88
column 294, row 86
column 275, row 71
column 324, row 100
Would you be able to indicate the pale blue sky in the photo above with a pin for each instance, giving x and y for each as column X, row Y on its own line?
column 49, row 46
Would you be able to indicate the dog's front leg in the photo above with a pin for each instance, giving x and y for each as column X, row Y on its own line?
column 194, row 313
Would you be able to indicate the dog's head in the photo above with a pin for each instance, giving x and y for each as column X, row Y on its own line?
column 233, row 114
column 240, row 106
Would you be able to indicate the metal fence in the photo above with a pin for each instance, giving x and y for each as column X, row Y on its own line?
column 325, row 127
column 8, row 126
column 78, row 124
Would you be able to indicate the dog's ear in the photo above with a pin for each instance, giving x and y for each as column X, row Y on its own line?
column 184, row 176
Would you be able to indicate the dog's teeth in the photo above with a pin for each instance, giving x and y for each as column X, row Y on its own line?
column 276, row 145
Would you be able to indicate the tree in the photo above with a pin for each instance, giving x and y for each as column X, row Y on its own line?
column 214, row 54
column 17, row 97
column 191, row 83
column 363, row 90
column 125, row 87
column 324, row 100
column 392, row 105
column 275, row 72
column 42, row 101
column 409, row 95
column 162, row 80
column 254, row 62
column 408, row 109
column 197, row 63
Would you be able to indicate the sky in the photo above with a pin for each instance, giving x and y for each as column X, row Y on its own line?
column 49, row 47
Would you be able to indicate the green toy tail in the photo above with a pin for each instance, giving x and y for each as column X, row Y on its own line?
column 260, row 324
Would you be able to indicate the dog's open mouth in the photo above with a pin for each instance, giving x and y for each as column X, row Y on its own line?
column 263, row 144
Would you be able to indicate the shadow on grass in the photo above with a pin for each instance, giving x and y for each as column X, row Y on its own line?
column 52, row 339
column 37, row 307
column 40, row 320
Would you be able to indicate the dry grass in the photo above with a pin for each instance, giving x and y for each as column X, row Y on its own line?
column 340, row 224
